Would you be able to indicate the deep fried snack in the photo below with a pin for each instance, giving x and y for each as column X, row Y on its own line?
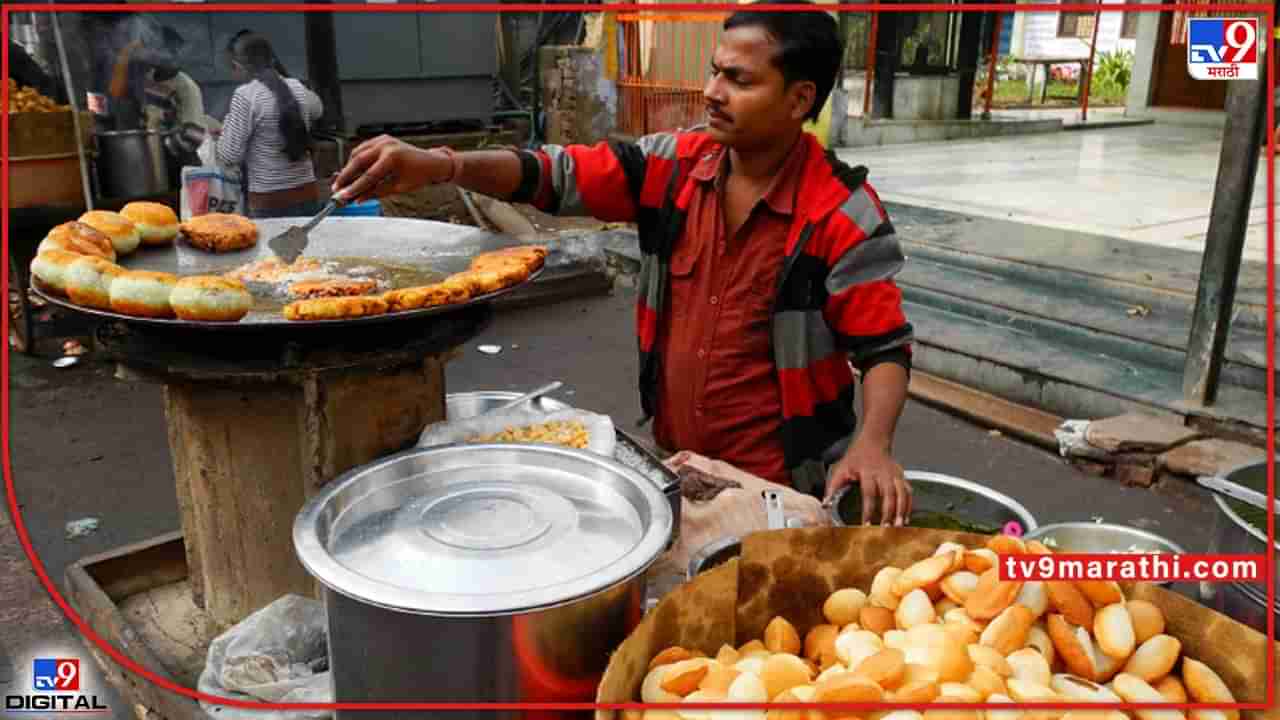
column 416, row 298
column 156, row 222
column 478, row 282
column 49, row 270
column 124, row 235
column 272, row 269
column 220, row 232
column 571, row 433
column 211, row 299
column 335, row 308
column 76, row 237
column 89, row 280
column 331, row 288
column 143, row 293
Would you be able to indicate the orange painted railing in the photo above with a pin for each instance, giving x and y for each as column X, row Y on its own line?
column 661, row 90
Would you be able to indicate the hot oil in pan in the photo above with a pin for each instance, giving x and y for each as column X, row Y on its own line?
column 272, row 297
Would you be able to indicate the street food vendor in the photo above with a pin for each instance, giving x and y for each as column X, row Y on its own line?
column 768, row 263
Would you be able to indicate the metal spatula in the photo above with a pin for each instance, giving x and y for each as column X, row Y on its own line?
column 290, row 244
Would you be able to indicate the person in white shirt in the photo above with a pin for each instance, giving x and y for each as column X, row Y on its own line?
column 267, row 131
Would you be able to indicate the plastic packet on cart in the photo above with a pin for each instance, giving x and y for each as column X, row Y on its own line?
column 569, row 428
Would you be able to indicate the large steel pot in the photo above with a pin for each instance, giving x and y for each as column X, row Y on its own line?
column 480, row 573
column 1103, row 538
column 1245, row 602
column 934, row 496
column 131, row 164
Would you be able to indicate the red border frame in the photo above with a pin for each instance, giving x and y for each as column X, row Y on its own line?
column 79, row 622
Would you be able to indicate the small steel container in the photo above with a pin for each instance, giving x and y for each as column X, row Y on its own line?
column 1098, row 538
column 480, row 573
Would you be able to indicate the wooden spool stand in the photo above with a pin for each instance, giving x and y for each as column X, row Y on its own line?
column 259, row 423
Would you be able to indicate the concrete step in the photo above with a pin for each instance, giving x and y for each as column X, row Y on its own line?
column 1062, row 368
column 1141, row 315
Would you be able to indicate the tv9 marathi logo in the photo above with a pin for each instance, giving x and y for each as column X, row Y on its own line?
column 56, row 674
column 1222, row 48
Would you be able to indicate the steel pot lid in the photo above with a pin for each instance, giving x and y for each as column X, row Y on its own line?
column 482, row 529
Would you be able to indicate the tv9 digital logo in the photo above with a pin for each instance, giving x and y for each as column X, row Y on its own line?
column 56, row 674
column 1222, row 48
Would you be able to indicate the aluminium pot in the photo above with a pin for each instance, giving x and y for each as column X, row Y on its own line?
column 480, row 573
column 132, row 164
column 1245, row 602
column 943, row 498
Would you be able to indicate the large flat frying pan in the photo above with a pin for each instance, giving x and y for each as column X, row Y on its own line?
column 406, row 252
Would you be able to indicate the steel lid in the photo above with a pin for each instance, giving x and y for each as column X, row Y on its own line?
column 484, row 529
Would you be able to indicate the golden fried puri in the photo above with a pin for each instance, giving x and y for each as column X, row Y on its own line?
column 220, row 232
column 331, row 288
column 416, row 298
column 335, row 308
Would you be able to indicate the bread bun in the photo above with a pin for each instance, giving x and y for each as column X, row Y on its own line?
column 1148, row 620
column 1034, row 597
column 914, row 609
column 143, row 294
column 1029, row 664
column 959, row 585
column 991, row 596
column 980, row 560
column 1113, row 629
column 1039, row 639
column 780, row 636
column 820, row 642
column 1206, row 686
column 990, row 658
column 220, row 232
column 1154, row 658
column 1072, row 687
column 124, row 235
column 1009, row 630
column 881, row 594
column 76, row 237
column 783, row 671
column 49, row 270
column 886, row 668
column 844, row 606
column 1067, row 599
column 921, row 574
column 1172, row 689
column 156, row 222
column 89, row 281
column 1134, row 689
column 210, row 299
column 986, row 681
column 1074, row 646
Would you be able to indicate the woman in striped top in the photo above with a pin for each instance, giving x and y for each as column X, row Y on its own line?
column 268, row 132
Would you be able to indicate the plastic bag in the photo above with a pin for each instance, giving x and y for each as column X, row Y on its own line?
column 601, row 437
column 279, row 654
column 211, row 188
column 736, row 510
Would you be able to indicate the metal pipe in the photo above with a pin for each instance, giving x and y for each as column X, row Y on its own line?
column 871, row 65
column 85, row 186
column 1086, row 82
column 991, row 66
column 1224, row 242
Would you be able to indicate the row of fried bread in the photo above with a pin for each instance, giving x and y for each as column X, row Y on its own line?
column 489, row 272
column 112, row 235
column 76, row 260
column 948, row 630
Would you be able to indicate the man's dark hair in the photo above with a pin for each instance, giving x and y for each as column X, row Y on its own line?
column 809, row 44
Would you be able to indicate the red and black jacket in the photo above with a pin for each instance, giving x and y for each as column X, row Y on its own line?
column 836, row 299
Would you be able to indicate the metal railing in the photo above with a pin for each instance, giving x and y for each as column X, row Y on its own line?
column 663, row 67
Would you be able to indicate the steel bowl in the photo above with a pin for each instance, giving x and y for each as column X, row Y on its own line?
column 714, row 554
column 1245, row 602
column 462, row 406
column 934, row 493
column 1091, row 537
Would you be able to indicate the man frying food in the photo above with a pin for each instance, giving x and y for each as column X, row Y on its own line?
column 768, row 264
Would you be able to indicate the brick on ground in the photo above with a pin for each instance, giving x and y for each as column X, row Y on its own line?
column 1209, row 457
column 1138, row 432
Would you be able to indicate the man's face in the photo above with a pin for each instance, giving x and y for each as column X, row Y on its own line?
column 749, row 104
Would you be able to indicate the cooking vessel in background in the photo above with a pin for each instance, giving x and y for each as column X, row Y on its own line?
column 480, row 573
column 1233, row 533
column 131, row 164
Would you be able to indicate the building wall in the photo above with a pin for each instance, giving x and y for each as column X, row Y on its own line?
column 1040, row 36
